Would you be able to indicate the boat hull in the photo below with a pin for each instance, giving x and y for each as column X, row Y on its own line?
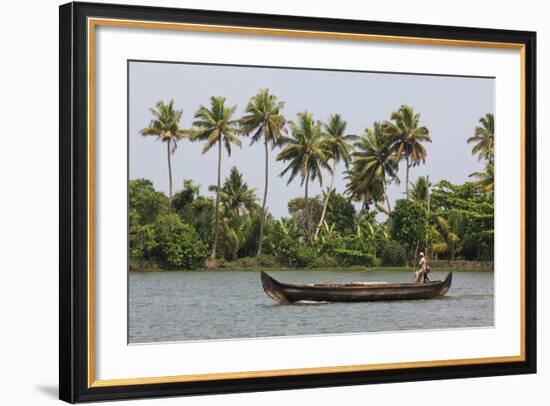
column 285, row 293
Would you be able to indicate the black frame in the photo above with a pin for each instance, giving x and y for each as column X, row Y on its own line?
column 73, row 299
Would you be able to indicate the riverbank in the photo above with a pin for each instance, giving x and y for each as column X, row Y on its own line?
column 256, row 266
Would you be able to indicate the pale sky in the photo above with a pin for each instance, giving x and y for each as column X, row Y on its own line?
column 450, row 107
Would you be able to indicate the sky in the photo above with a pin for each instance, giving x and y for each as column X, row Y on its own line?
column 449, row 106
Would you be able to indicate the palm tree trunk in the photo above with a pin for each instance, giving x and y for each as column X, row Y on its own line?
column 386, row 193
column 169, row 177
column 263, row 214
column 326, row 199
column 407, row 176
column 428, row 217
column 453, row 250
column 217, row 230
column 306, row 204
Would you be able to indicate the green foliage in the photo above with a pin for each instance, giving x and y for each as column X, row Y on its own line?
column 236, row 230
column 216, row 126
column 200, row 214
column 165, row 126
column 392, row 253
column 235, row 194
column 185, row 197
column 305, row 151
column 329, row 240
column 249, row 245
column 409, row 225
column 288, row 245
column 349, row 257
column 145, row 205
column 339, row 146
column 142, row 239
column 239, row 217
column 468, row 218
column 145, row 202
column 293, row 253
column 178, row 244
column 356, row 250
column 406, row 135
column 302, row 255
column 325, row 261
column 341, row 213
column 420, row 190
column 180, row 230
column 373, row 163
column 263, row 117
column 484, row 138
column 267, row 260
column 336, row 141
column 485, row 180
column 297, row 210
column 307, row 155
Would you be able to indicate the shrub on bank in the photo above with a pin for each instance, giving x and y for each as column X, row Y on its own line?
column 325, row 261
column 178, row 244
column 355, row 250
column 408, row 225
column 267, row 261
column 292, row 253
column 350, row 257
column 392, row 254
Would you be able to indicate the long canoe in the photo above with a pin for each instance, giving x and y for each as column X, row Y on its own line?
column 285, row 293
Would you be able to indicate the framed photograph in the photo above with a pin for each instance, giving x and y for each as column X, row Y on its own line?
column 256, row 202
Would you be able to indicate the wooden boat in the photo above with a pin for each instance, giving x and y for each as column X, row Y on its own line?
column 285, row 293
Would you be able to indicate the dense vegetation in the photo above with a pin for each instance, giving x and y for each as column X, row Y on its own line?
column 187, row 229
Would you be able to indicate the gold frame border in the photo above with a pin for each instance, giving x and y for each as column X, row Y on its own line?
column 94, row 22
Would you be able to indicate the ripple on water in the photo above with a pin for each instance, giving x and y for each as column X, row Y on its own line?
column 178, row 306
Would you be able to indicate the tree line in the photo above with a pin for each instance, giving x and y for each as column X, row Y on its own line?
column 182, row 230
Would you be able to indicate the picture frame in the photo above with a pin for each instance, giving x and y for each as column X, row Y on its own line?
column 78, row 380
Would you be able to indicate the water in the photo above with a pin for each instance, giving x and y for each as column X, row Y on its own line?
column 184, row 305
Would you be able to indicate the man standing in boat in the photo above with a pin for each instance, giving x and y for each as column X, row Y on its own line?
column 421, row 274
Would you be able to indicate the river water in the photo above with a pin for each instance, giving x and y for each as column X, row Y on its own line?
column 186, row 305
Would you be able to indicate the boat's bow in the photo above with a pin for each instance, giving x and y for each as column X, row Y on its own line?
column 446, row 285
column 273, row 289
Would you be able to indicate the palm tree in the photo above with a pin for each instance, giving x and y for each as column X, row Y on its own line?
column 216, row 127
column 236, row 229
column 372, row 164
column 443, row 237
column 165, row 126
column 366, row 193
column 406, row 136
column 338, row 144
column 486, row 180
column 264, row 120
column 235, row 194
column 306, row 154
column 484, row 138
column 420, row 190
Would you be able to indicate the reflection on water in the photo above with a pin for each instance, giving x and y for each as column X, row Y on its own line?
column 177, row 306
